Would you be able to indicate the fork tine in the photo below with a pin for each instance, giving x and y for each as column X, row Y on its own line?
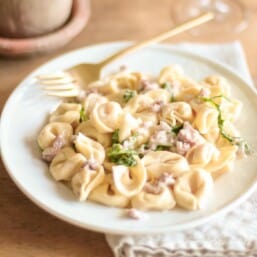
column 67, row 93
column 60, row 81
column 49, row 76
column 58, row 87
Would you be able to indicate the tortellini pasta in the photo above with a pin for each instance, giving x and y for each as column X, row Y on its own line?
column 158, row 162
column 201, row 155
column 205, row 119
column 105, row 116
column 224, row 162
column 177, row 112
column 67, row 112
column 92, row 100
column 52, row 130
column 192, row 189
column 126, row 124
column 107, row 194
column 164, row 200
column 86, row 180
column 66, row 164
column 133, row 140
column 89, row 130
column 129, row 181
column 89, row 148
column 171, row 73
column 218, row 86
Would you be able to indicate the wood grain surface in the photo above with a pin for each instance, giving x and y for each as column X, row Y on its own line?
column 26, row 230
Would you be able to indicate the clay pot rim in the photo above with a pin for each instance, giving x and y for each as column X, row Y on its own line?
column 26, row 46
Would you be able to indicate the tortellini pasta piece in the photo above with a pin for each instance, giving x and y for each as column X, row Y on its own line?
column 129, row 181
column 104, row 117
column 144, row 132
column 159, row 95
column 228, row 129
column 171, row 73
column 91, row 101
column 113, row 83
column 90, row 148
column 231, row 109
column 104, row 87
column 206, row 118
column 224, row 162
column 159, row 162
column 139, row 104
column 218, row 86
column 107, row 194
column 177, row 112
column 128, row 80
column 67, row 112
column 52, row 130
column 126, row 124
column 147, row 116
column 89, row 130
column 149, row 201
column 108, row 165
column 120, row 96
column 212, row 135
column 188, row 90
column 66, row 164
column 193, row 188
column 201, row 155
column 87, row 179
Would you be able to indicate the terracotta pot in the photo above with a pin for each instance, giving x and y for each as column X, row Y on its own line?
column 19, row 47
column 29, row 18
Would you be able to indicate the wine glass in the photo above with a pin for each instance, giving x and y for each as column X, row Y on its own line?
column 231, row 16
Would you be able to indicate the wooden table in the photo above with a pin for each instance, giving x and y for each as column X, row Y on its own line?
column 26, row 230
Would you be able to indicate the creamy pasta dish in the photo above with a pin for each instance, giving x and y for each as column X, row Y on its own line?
column 132, row 140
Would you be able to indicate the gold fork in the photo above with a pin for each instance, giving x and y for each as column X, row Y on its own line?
column 69, row 83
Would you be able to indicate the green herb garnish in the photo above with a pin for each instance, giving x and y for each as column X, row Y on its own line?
column 83, row 116
column 177, row 128
column 169, row 87
column 128, row 95
column 115, row 136
column 162, row 148
column 165, row 85
column 122, row 156
column 233, row 140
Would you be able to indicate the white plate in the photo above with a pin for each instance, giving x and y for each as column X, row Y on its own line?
column 26, row 111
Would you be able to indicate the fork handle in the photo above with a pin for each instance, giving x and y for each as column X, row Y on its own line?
column 170, row 33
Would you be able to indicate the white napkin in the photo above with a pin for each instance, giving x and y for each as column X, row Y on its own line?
column 234, row 234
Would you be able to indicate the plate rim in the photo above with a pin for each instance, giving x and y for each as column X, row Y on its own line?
column 153, row 230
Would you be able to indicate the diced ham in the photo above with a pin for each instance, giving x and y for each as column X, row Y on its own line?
column 135, row 214
column 50, row 152
column 92, row 164
column 153, row 188
column 58, row 142
column 205, row 92
column 156, row 187
column 147, row 85
column 157, row 106
column 167, row 179
column 164, row 126
column 161, row 136
column 190, row 135
column 182, row 148
column 144, row 127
